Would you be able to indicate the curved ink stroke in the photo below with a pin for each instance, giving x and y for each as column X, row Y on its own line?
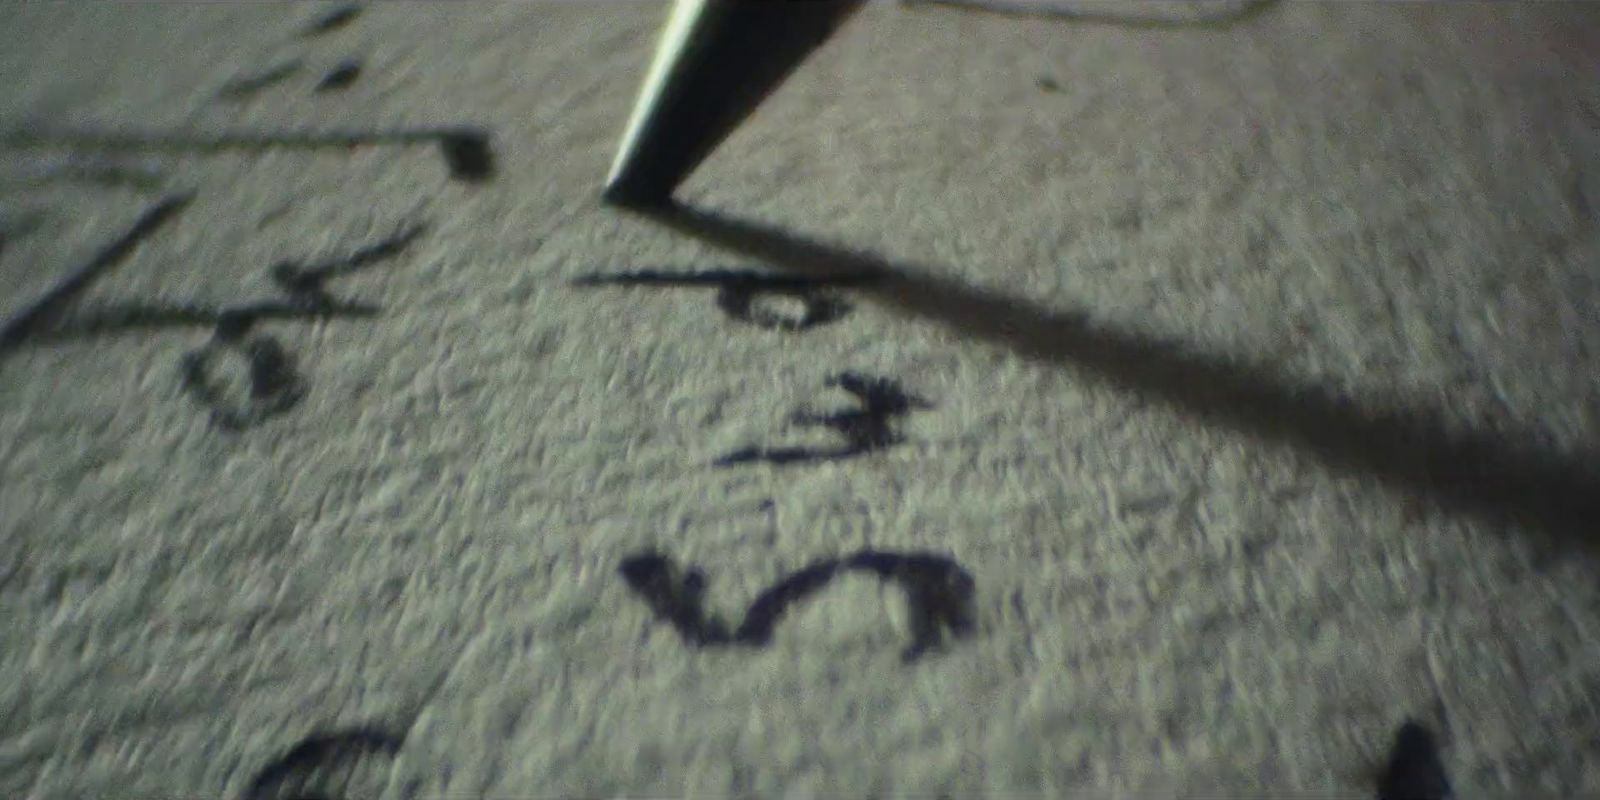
column 865, row 429
column 320, row 751
column 1554, row 494
column 275, row 385
column 939, row 592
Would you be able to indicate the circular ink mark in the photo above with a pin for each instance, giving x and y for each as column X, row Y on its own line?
column 268, row 387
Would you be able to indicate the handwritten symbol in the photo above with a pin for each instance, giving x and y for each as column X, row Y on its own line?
column 939, row 591
column 271, row 385
column 325, row 765
column 738, row 292
column 274, row 387
column 864, row 429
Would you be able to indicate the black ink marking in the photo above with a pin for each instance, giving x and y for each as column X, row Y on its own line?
column 1415, row 771
column 333, row 20
column 342, row 76
column 466, row 151
column 468, row 154
column 270, row 385
column 675, row 597
column 781, row 456
column 240, row 88
column 737, row 292
column 306, row 284
column 51, row 305
column 1516, row 483
column 320, row 766
column 273, row 385
column 939, row 592
column 864, row 429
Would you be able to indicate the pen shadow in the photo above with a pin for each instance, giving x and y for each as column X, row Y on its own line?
column 1549, row 493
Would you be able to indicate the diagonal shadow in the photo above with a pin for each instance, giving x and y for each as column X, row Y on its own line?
column 1552, row 493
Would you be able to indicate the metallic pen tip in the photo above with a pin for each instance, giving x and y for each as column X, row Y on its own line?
column 715, row 62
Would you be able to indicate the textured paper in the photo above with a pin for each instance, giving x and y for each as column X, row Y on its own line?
column 1193, row 316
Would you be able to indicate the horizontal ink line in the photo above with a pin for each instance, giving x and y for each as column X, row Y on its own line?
column 783, row 456
column 466, row 150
